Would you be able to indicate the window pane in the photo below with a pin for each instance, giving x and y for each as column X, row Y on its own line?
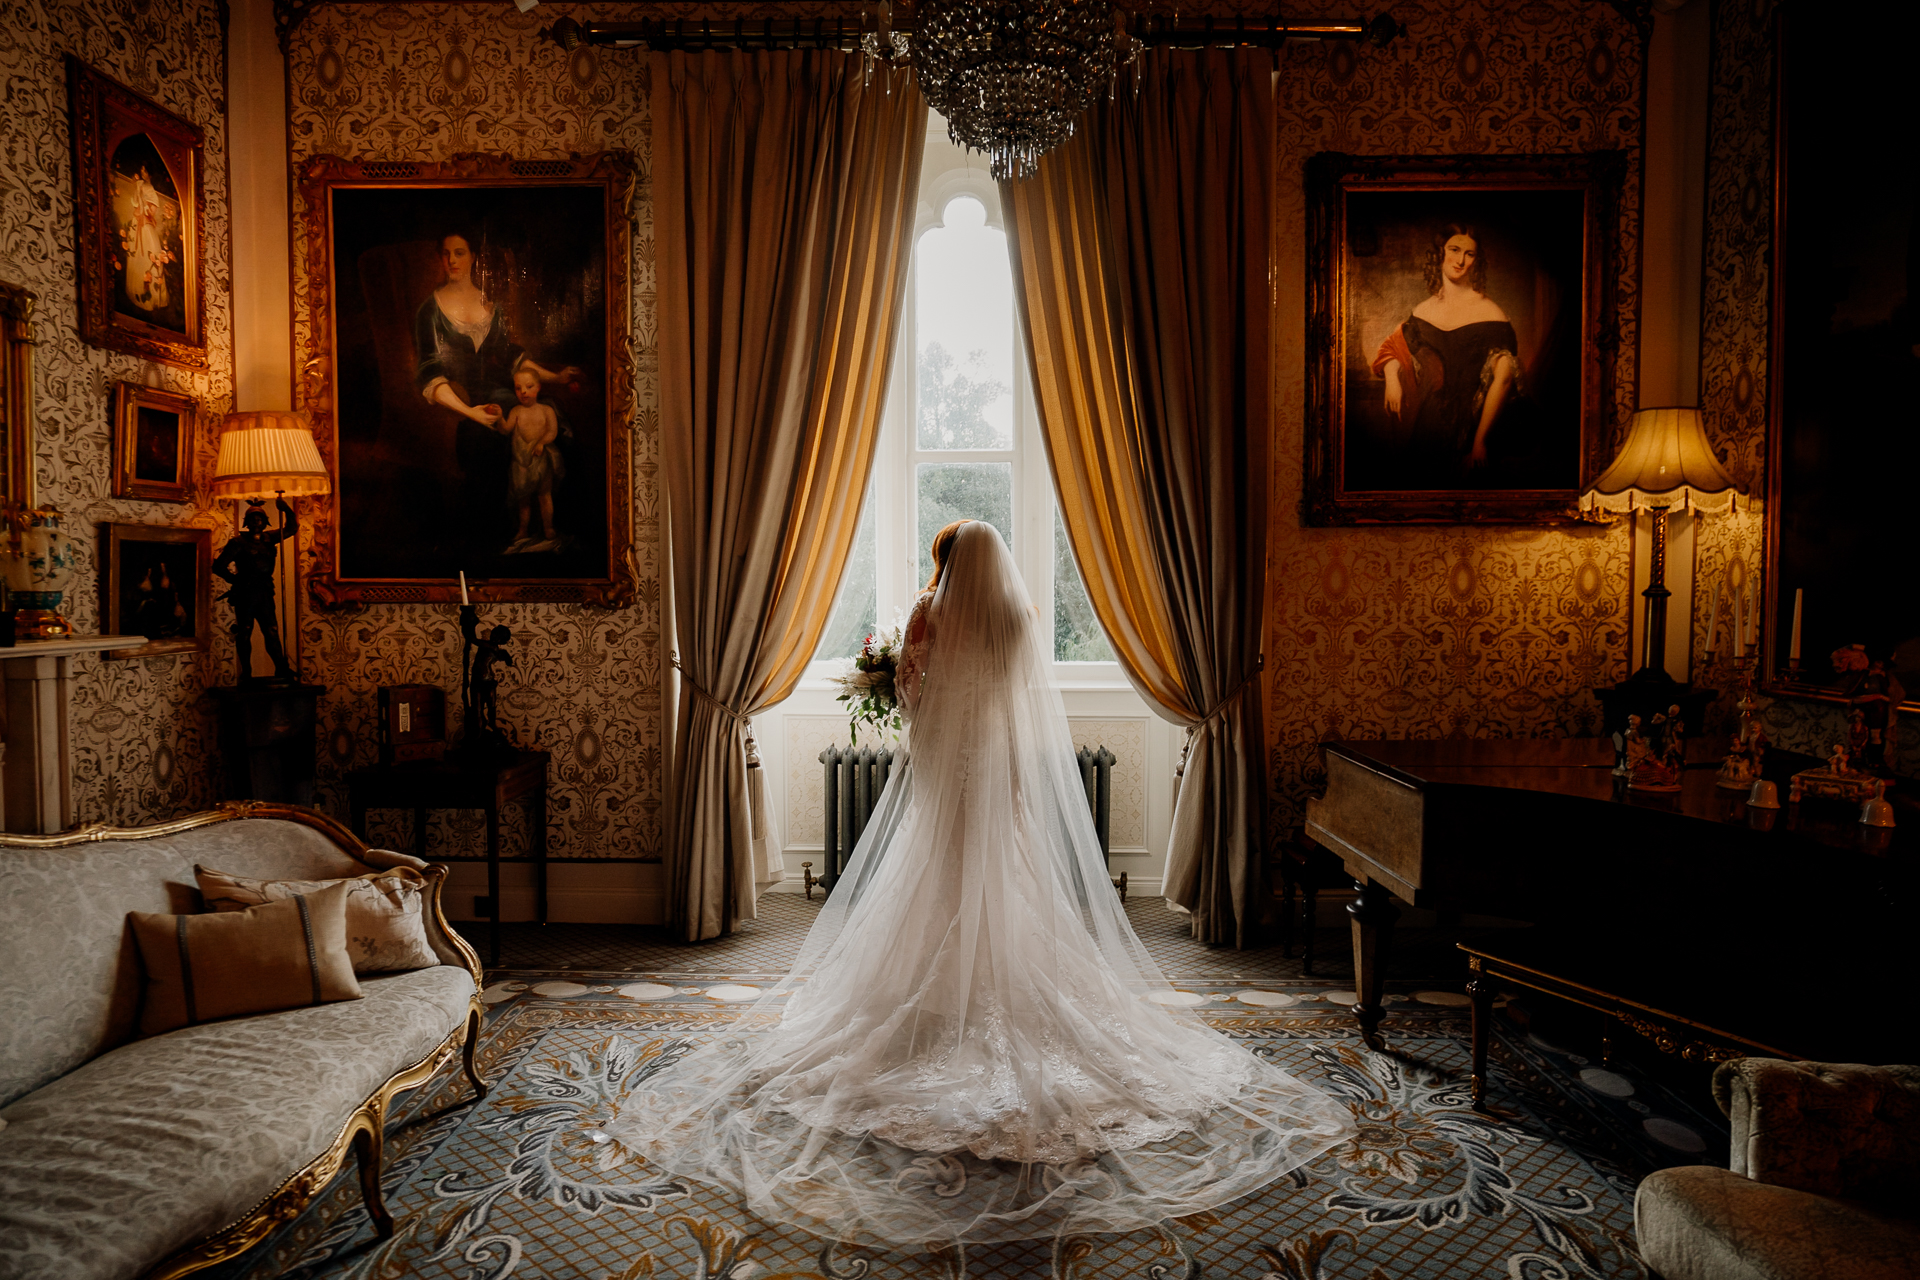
column 1077, row 636
column 952, row 491
column 853, row 614
column 964, row 332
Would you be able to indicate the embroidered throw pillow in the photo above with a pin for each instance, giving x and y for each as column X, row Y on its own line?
column 386, row 921
column 282, row 955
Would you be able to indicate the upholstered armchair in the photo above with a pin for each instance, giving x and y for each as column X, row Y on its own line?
column 1825, row 1183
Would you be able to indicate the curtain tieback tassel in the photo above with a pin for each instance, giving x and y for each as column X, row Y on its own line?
column 694, row 687
column 1259, row 665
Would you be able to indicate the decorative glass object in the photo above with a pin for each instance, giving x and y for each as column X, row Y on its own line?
column 1012, row 79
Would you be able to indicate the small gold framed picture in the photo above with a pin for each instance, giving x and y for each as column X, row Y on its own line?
column 157, row 581
column 152, row 443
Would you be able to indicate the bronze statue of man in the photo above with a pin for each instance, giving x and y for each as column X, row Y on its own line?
column 247, row 562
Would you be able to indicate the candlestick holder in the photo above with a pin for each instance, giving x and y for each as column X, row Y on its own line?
column 1741, row 768
column 482, row 653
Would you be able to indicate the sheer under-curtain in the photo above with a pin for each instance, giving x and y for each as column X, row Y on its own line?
column 1141, row 254
column 783, row 197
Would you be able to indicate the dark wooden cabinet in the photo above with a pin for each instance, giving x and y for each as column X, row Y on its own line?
column 267, row 740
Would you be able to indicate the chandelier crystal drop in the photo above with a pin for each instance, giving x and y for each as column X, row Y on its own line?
column 1011, row 78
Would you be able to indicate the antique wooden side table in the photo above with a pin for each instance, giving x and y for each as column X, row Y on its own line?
column 489, row 783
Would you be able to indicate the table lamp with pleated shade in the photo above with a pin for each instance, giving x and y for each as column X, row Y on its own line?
column 266, row 452
column 1665, row 464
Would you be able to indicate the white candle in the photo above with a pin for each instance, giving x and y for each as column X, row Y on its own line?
column 1713, row 618
column 1739, row 632
column 1794, row 652
column 1753, row 612
column 463, row 587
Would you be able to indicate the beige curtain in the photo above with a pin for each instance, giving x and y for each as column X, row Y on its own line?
column 1141, row 255
column 783, row 198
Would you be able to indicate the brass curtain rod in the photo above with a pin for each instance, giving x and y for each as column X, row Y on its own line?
column 1153, row 30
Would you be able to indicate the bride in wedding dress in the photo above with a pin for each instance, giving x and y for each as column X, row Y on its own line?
column 971, row 1046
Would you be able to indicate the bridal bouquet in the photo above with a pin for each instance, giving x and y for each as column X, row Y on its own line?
column 868, row 688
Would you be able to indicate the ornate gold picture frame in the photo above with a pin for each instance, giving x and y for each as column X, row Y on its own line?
column 141, row 213
column 157, row 581
column 470, row 377
column 1459, row 313
column 153, row 434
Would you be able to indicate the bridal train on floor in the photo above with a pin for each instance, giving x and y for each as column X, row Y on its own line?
column 970, row 1047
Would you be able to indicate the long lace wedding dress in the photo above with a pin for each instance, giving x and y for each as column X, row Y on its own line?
column 972, row 1045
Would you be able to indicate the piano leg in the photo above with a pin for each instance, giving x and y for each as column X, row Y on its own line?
column 1373, row 916
column 1480, row 991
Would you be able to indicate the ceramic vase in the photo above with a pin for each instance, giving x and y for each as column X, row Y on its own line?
column 38, row 561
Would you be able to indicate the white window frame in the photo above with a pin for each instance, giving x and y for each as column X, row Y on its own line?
column 949, row 173
column 1098, row 693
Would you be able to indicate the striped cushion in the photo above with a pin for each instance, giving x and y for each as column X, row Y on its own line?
column 280, row 955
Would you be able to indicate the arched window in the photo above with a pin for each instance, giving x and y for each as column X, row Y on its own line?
column 960, row 438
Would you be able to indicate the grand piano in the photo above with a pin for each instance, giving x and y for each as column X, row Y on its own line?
column 1709, row 928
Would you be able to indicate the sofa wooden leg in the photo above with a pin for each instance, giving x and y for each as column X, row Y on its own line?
column 367, row 1145
column 466, row 1055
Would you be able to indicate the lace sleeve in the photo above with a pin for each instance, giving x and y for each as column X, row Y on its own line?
column 913, row 656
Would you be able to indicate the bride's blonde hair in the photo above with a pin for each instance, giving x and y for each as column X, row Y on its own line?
column 941, row 548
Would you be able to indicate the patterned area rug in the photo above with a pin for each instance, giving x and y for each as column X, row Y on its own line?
column 524, row 1185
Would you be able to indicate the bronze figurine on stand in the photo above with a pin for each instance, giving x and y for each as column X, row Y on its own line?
column 247, row 564
column 480, row 659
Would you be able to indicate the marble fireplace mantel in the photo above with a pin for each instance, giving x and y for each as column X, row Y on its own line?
column 37, row 796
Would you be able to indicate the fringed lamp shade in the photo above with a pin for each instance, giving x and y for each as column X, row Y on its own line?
column 267, row 452
column 1666, row 462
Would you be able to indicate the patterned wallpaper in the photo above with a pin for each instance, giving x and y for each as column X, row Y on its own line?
column 1419, row 631
column 428, row 82
column 1425, row 632
column 143, row 743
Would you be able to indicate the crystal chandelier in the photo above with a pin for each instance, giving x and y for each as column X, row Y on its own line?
column 1011, row 78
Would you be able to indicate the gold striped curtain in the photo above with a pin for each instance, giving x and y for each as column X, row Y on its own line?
column 783, row 194
column 1141, row 255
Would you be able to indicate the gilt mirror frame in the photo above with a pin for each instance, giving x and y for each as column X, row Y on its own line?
column 1807, row 433
column 16, row 396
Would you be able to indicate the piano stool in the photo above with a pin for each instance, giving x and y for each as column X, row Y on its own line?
column 1304, row 869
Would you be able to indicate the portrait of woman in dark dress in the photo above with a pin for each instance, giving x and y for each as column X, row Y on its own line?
column 1453, row 380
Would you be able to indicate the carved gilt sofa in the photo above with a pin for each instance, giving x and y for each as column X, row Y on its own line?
column 123, row 1157
column 1825, row 1183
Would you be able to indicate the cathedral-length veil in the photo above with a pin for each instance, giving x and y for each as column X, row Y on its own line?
column 969, row 1047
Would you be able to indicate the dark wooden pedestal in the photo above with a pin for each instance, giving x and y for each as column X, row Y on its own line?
column 266, row 734
column 488, row 783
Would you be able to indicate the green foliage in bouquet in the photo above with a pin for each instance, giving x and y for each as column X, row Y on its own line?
column 868, row 689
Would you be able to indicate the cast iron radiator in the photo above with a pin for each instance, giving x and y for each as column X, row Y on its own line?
column 855, row 778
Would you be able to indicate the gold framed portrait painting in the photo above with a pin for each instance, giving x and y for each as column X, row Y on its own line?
column 152, row 443
column 1459, row 311
column 157, row 581
column 140, row 210
column 470, row 377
